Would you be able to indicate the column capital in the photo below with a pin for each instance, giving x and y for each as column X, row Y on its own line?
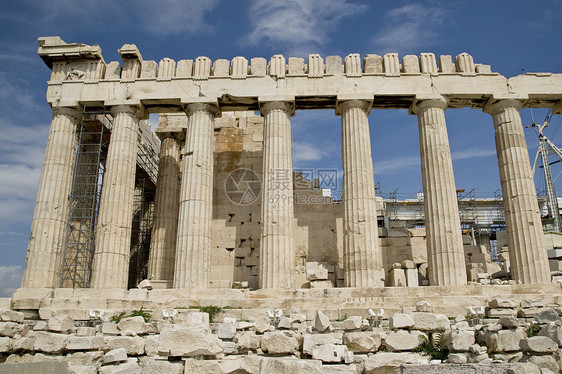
column 207, row 105
column 171, row 132
column 72, row 111
column 285, row 105
column 424, row 101
column 344, row 102
column 497, row 103
column 136, row 110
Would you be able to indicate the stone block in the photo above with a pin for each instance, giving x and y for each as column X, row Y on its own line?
column 115, row 355
column 542, row 361
column 247, row 341
column 384, row 362
column 85, row 343
column 262, row 324
column 446, row 64
column 135, row 325
column 149, row 69
column 423, row 306
column 427, row 63
column 402, row 340
column 5, row 345
column 352, row 323
column 239, row 67
column 372, row 64
column 546, row 316
column 258, row 66
column 50, row 342
column 110, row 328
column 279, row 342
column 410, row 64
column 362, row 341
column 315, row 66
column 483, row 69
column 9, row 315
column 459, row 341
column 44, row 367
column 430, row 322
column 501, row 312
column 401, row 321
column 133, row 344
column 188, row 341
column 296, row 65
column 538, row 344
column 457, row 358
column 221, row 68
column 316, row 271
column 184, row 68
column 162, row 367
column 504, row 340
column 113, row 70
column 10, row 328
column 321, row 284
column 227, row 329
column 554, row 253
column 271, row 365
column 464, row 63
column 312, row 340
column 321, row 321
column 131, row 366
column 352, row 65
column 61, row 323
column 396, row 278
column 553, row 332
column 391, row 64
column 331, row 353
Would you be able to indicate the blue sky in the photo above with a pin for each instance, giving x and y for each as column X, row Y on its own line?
column 511, row 36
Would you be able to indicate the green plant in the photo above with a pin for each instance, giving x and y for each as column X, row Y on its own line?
column 135, row 313
column 533, row 330
column 437, row 351
column 212, row 310
column 142, row 313
column 117, row 318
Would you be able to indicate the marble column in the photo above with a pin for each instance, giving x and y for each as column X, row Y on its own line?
column 363, row 265
column 113, row 229
column 277, row 254
column 525, row 240
column 445, row 253
column 50, row 218
column 193, row 246
column 166, row 208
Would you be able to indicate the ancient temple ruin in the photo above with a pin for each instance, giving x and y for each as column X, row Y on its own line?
column 216, row 203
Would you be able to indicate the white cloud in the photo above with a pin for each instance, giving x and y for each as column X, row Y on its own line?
column 303, row 152
column 10, row 279
column 472, row 153
column 298, row 27
column 410, row 26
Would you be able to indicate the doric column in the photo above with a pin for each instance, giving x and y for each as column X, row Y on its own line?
column 113, row 230
column 445, row 253
column 166, row 207
column 276, row 245
column 362, row 256
column 50, row 218
column 527, row 252
column 193, row 246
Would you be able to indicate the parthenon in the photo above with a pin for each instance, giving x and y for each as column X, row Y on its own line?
column 200, row 236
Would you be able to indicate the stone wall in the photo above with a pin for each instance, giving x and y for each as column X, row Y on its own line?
column 500, row 337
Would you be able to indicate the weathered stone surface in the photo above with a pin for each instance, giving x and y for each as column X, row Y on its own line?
column 85, row 358
column 546, row 316
column 352, row 323
column 457, row 358
column 186, row 341
column 542, row 361
column 40, row 326
column 508, row 322
column 61, row 323
column 502, row 303
column 50, row 342
column 504, row 340
column 129, row 367
column 384, row 359
column 135, row 325
column 9, row 328
column 403, row 340
column 262, row 325
column 289, row 365
column 5, row 345
column 312, row 340
column 247, row 341
column 115, row 355
column 501, row 312
column 553, row 332
column 227, row 329
column 401, row 321
column 24, row 343
column 276, row 342
column 133, row 344
column 538, row 344
column 321, row 321
column 8, row 315
column 459, row 341
column 423, row 306
column 331, row 353
column 362, row 341
column 85, row 343
column 425, row 321
column 162, row 367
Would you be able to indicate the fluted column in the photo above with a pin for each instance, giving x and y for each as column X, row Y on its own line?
column 527, row 252
column 166, row 208
column 362, row 256
column 50, row 218
column 445, row 253
column 276, row 245
column 113, row 230
column 193, row 246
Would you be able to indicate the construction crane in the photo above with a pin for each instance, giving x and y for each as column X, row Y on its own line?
column 547, row 147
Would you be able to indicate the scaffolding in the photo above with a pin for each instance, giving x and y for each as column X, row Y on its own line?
column 93, row 134
column 91, row 150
